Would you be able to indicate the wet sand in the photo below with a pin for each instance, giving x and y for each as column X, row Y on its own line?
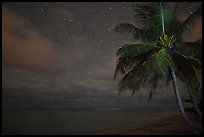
column 171, row 125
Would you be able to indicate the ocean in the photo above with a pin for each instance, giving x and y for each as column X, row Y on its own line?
column 100, row 121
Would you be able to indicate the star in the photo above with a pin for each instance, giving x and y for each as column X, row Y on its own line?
column 90, row 10
column 110, row 8
column 41, row 9
column 82, row 58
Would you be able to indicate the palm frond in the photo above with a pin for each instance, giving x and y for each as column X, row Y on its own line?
column 134, row 49
column 162, row 18
column 176, row 9
column 131, row 54
column 125, row 28
column 178, row 75
column 189, row 24
column 186, row 66
column 172, row 23
column 152, row 17
column 164, row 59
column 143, row 14
column 126, row 63
column 193, row 49
column 154, row 81
column 148, row 24
column 144, row 35
column 155, row 65
column 131, row 81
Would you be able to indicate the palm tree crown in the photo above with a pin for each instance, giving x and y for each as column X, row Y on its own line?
column 160, row 33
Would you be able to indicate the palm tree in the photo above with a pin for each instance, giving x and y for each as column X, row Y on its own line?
column 158, row 51
column 193, row 49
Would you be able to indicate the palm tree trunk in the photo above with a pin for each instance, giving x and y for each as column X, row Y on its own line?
column 193, row 99
column 180, row 105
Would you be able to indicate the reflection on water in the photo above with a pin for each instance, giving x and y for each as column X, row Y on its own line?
column 76, row 121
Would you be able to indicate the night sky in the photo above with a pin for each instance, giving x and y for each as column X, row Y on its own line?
column 62, row 55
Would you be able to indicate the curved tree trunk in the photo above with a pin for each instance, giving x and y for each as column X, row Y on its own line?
column 193, row 99
column 180, row 105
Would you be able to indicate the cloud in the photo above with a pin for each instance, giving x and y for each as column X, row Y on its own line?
column 25, row 47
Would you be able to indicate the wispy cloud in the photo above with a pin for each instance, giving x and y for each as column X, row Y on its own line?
column 24, row 47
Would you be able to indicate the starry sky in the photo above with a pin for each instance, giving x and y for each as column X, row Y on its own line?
column 62, row 55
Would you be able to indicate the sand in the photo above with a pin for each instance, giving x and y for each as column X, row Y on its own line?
column 171, row 125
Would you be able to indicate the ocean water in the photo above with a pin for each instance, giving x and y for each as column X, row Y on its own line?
column 76, row 121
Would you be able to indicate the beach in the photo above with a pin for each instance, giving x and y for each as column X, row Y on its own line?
column 170, row 125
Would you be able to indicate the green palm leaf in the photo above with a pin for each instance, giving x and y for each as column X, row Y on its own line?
column 134, row 49
column 131, row 54
column 126, row 28
column 193, row 49
column 188, row 67
column 156, row 65
column 143, row 14
column 137, row 33
column 189, row 24
column 126, row 63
